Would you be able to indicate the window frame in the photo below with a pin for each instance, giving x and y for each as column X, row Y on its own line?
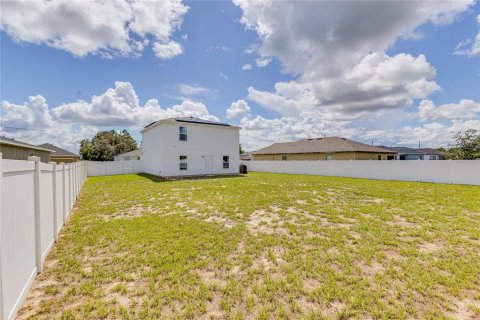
column 226, row 164
column 183, row 164
column 284, row 158
column 182, row 136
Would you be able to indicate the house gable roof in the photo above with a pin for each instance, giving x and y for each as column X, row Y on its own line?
column 59, row 152
column 192, row 120
column 133, row 153
column 321, row 145
column 16, row 143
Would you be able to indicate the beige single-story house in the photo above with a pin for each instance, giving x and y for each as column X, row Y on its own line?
column 326, row 148
column 60, row 155
column 17, row 150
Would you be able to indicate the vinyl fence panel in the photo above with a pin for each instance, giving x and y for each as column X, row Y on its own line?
column 59, row 197
column 46, row 209
column 108, row 168
column 35, row 199
column 448, row 171
column 18, row 269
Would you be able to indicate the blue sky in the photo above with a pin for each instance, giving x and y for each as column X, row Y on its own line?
column 362, row 80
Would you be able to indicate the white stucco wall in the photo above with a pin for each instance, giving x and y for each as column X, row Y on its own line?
column 152, row 145
column 162, row 149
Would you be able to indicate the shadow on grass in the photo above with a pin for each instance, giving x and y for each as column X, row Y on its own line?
column 202, row 177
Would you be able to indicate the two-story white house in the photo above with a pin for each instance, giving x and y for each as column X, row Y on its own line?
column 189, row 147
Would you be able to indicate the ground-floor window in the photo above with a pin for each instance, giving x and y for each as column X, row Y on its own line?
column 284, row 158
column 183, row 162
column 226, row 162
column 390, row 157
column 328, row 157
column 379, row 157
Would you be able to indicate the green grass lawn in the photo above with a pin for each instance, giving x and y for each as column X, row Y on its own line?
column 264, row 246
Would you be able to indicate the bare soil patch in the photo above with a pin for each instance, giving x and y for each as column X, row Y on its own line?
column 430, row 247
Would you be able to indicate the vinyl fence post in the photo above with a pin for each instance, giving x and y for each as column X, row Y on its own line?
column 76, row 181
column 36, row 192
column 55, row 209
column 64, row 190
column 74, row 185
column 2, row 313
column 69, row 187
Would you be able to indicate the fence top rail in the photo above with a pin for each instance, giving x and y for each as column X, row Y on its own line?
column 46, row 166
column 362, row 161
column 9, row 165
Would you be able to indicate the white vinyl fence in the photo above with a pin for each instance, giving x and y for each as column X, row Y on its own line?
column 440, row 171
column 108, row 168
column 36, row 200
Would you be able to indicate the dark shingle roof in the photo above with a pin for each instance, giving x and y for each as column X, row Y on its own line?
column 59, row 152
column 190, row 120
column 321, row 145
column 201, row 121
column 17, row 143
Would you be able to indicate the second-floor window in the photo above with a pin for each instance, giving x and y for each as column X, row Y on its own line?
column 182, row 133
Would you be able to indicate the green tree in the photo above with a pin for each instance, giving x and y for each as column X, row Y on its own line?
column 467, row 145
column 241, row 150
column 107, row 144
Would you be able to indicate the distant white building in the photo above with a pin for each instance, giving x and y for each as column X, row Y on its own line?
column 131, row 155
column 189, row 147
column 405, row 153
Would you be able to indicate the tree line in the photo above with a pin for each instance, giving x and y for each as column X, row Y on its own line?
column 105, row 145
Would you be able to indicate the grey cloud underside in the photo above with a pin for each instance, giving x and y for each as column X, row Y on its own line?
column 323, row 42
column 344, row 80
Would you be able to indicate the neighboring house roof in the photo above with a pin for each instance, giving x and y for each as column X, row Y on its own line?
column 421, row 151
column 13, row 142
column 188, row 120
column 320, row 145
column 403, row 150
column 133, row 153
column 59, row 152
column 246, row 155
column 432, row 151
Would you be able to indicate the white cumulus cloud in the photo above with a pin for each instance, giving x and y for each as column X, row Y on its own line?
column 262, row 62
column 247, row 67
column 463, row 110
column 470, row 47
column 108, row 28
column 68, row 123
column 189, row 90
column 338, row 58
column 167, row 50
column 238, row 109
